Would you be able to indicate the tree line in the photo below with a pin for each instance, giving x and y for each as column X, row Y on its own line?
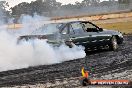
column 47, row 6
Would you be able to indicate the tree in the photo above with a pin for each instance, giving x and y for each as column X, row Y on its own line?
column 124, row 1
column 52, row 4
column 22, row 8
column 86, row 2
column 95, row 2
column 124, row 4
column 90, row 2
column 78, row 5
column 4, row 14
column 38, row 6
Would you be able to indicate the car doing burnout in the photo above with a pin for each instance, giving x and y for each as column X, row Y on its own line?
column 72, row 33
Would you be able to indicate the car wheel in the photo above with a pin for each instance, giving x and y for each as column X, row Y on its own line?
column 114, row 44
column 69, row 44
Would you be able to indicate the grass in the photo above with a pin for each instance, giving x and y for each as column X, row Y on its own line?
column 124, row 27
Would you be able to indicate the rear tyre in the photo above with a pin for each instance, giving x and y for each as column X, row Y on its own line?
column 114, row 44
column 69, row 44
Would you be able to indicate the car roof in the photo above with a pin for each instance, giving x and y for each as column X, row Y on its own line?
column 59, row 21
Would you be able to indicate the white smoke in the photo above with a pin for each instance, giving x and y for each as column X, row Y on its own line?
column 29, row 23
column 32, row 53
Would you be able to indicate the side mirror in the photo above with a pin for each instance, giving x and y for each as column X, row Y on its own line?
column 100, row 29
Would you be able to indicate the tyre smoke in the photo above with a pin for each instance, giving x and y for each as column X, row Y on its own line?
column 32, row 53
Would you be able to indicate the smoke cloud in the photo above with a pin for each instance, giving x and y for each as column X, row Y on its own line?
column 34, row 52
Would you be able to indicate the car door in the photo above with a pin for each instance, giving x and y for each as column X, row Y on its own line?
column 65, row 33
column 77, row 34
column 97, row 36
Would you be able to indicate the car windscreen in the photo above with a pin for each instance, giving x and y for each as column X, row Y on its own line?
column 48, row 29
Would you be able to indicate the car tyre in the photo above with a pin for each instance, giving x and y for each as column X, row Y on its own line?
column 70, row 44
column 114, row 44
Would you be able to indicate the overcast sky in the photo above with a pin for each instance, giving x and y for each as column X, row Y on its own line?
column 15, row 2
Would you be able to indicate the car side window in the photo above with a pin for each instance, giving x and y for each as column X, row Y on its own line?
column 65, row 30
column 90, row 27
column 76, row 28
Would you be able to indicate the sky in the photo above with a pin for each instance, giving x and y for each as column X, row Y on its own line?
column 15, row 2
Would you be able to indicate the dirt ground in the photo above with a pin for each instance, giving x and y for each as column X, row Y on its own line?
column 105, row 64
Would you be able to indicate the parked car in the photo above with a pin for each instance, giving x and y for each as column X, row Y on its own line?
column 82, row 33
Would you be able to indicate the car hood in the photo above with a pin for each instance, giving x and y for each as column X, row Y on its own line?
column 111, row 31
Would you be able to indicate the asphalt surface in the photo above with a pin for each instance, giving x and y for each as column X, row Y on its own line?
column 101, row 65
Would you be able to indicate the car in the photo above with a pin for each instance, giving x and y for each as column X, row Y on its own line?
column 72, row 33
